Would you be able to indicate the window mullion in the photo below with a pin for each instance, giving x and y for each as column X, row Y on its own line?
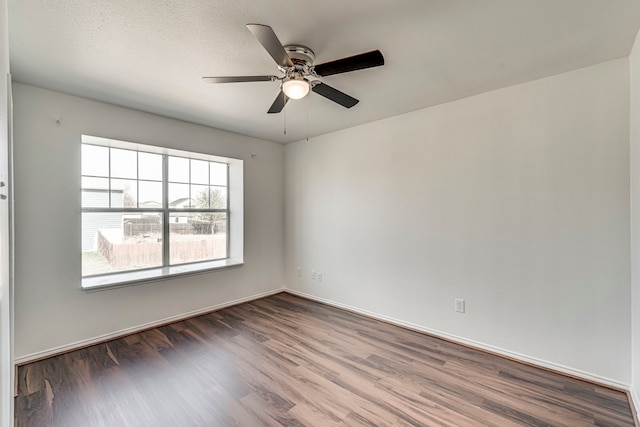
column 227, row 216
column 137, row 179
column 165, row 209
column 109, row 179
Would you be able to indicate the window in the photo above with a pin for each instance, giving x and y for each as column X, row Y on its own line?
column 149, row 212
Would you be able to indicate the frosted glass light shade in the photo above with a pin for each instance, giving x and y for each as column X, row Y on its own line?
column 295, row 88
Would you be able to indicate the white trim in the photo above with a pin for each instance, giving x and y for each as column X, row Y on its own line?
column 471, row 343
column 129, row 278
column 127, row 331
column 636, row 401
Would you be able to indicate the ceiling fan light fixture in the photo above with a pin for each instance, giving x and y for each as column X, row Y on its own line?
column 295, row 87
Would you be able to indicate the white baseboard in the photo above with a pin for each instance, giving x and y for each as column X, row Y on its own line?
column 127, row 331
column 475, row 344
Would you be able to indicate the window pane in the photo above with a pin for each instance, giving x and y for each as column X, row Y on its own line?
column 124, row 193
column 178, row 169
column 150, row 166
column 95, row 192
column 150, row 194
column 95, row 160
column 218, row 197
column 199, row 172
column 200, row 196
column 179, row 196
column 218, row 173
column 197, row 236
column 114, row 241
column 124, row 163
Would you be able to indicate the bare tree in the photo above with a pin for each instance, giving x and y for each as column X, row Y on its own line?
column 128, row 200
column 213, row 199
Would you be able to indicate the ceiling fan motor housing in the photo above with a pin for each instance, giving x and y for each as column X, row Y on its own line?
column 300, row 55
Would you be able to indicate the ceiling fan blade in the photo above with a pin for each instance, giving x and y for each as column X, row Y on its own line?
column 334, row 95
column 351, row 63
column 270, row 42
column 239, row 79
column 279, row 103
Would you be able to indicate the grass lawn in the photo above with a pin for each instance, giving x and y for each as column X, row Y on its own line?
column 94, row 263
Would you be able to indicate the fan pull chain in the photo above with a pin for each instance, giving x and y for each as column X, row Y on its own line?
column 285, row 121
column 308, row 101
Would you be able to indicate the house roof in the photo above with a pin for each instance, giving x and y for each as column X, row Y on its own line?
column 178, row 202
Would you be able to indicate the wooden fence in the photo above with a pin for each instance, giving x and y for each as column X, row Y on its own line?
column 148, row 253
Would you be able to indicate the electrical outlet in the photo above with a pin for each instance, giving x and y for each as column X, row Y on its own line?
column 313, row 275
column 459, row 305
column 319, row 276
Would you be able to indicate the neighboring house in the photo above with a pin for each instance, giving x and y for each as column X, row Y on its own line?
column 112, row 224
column 99, row 197
column 182, row 203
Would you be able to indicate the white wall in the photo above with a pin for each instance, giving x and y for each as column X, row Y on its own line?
column 51, row 310
column 516, row 200
column 635, row 218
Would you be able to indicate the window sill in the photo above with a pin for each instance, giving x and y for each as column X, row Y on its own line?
column 131, row 278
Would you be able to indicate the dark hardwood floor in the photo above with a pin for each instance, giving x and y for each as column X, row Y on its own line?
column 286, row 361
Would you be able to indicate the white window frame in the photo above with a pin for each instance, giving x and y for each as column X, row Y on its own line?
column 235, row 220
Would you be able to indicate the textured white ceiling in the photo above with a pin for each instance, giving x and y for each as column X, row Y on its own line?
column 151, row 54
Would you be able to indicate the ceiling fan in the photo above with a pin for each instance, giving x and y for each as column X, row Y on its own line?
column 300, row 73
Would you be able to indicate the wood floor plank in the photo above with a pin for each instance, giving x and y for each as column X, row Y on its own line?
column 287, row 361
